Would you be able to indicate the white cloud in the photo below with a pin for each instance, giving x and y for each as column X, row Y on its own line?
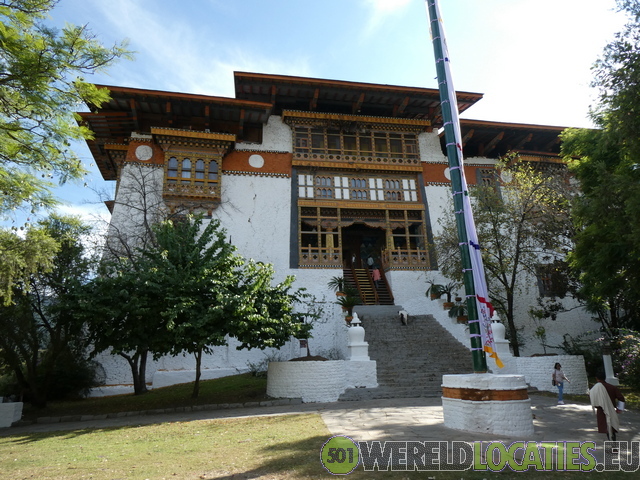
column 379, row 11
column 176, row 56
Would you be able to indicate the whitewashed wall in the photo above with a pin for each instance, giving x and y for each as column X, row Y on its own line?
column 256, row 212
column 276, row 136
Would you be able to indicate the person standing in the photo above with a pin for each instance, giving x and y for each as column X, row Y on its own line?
column 376, row 277
column 604, row 398
column 558, row 378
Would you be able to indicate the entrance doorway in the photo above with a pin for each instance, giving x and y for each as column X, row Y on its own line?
column 360, row 241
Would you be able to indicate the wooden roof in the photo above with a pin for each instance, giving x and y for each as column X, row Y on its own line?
column 138, row 110
column 482, row 138
column 334, row 96
column 260, row 95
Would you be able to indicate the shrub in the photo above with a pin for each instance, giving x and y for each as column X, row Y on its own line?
column 589, row 345
column 626, row 356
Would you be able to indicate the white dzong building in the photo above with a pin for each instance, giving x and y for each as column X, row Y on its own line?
column 313, row 176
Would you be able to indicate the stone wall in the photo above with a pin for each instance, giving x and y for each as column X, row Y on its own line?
column 318, row 381
column 9, row 413
column 537, row 372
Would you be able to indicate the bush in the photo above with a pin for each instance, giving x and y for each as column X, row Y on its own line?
column 589, row 345
column 72, row 378
column 626, row 357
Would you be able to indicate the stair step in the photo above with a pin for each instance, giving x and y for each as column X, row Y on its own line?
column 410, row 359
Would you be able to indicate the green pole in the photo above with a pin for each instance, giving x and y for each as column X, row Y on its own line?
column 447, row 103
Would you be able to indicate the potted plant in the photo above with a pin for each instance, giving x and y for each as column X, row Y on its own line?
column 435, row 290
column 347, row 302
column 449, row 290
column 459, row 311
column 337, row 285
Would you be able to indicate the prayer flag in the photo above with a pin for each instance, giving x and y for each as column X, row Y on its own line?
column 480, row 291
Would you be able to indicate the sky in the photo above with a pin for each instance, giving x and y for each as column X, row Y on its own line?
column 530, row 58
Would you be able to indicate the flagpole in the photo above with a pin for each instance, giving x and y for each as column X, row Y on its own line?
column 449, row 109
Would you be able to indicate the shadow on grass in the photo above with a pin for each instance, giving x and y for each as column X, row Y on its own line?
column 26, row 438
column 300, row 459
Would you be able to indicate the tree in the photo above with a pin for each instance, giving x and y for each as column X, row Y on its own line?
column 605, row 162
column 23, row 257
column 122, row 308
column 121, row 304
column 521, row 224
column 41, row 85
column 40, row 328
column 190, row 292
column 213, row 294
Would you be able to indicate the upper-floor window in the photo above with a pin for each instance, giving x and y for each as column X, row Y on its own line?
column 364, row 143
column 357, row 188
column 187, row 171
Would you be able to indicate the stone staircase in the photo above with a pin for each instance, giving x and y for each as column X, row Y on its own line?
column 410, row 359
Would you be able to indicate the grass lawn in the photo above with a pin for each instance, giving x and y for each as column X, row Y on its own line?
column 232, row 389
column 276, row 447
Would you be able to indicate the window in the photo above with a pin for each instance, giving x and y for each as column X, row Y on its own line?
column 199, row 171
column 172, row 169
column 357, row 188
column 186, row 168
column 186, row 177
column 364, row 143
column 552, row 279
column 213, row 170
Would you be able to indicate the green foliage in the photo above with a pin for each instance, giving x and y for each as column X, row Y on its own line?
column 605, row 162
column 626, row 356
column 348, row 301
column 617, row 77
column 336, row 284
column 607, row 251
column 23, row 257
column 40, row 329
column 589, row 345
column 459, row 309
column 189, row 293
column 41, row 85
column 519, row 223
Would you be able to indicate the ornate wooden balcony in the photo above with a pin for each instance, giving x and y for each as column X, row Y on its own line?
column 405, row 259
column 320, row 257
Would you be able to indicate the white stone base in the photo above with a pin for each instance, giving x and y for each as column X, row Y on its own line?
column 318, row 381
column 10, row 413
column 361, row 374
column 512, row 418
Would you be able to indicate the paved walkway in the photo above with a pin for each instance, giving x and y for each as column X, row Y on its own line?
column 400, row 419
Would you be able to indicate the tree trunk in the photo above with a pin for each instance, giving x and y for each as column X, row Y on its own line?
column 196, row 385
column 138, row 365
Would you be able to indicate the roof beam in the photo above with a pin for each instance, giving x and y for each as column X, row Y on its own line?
column 314, row 101
column 398, row 109
column 468, row 136
column 526, row 139
column 551, row 144
column 241, row 123
column 357, row 105
column 133, row 104
column 492, row 144
column 167, row 111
